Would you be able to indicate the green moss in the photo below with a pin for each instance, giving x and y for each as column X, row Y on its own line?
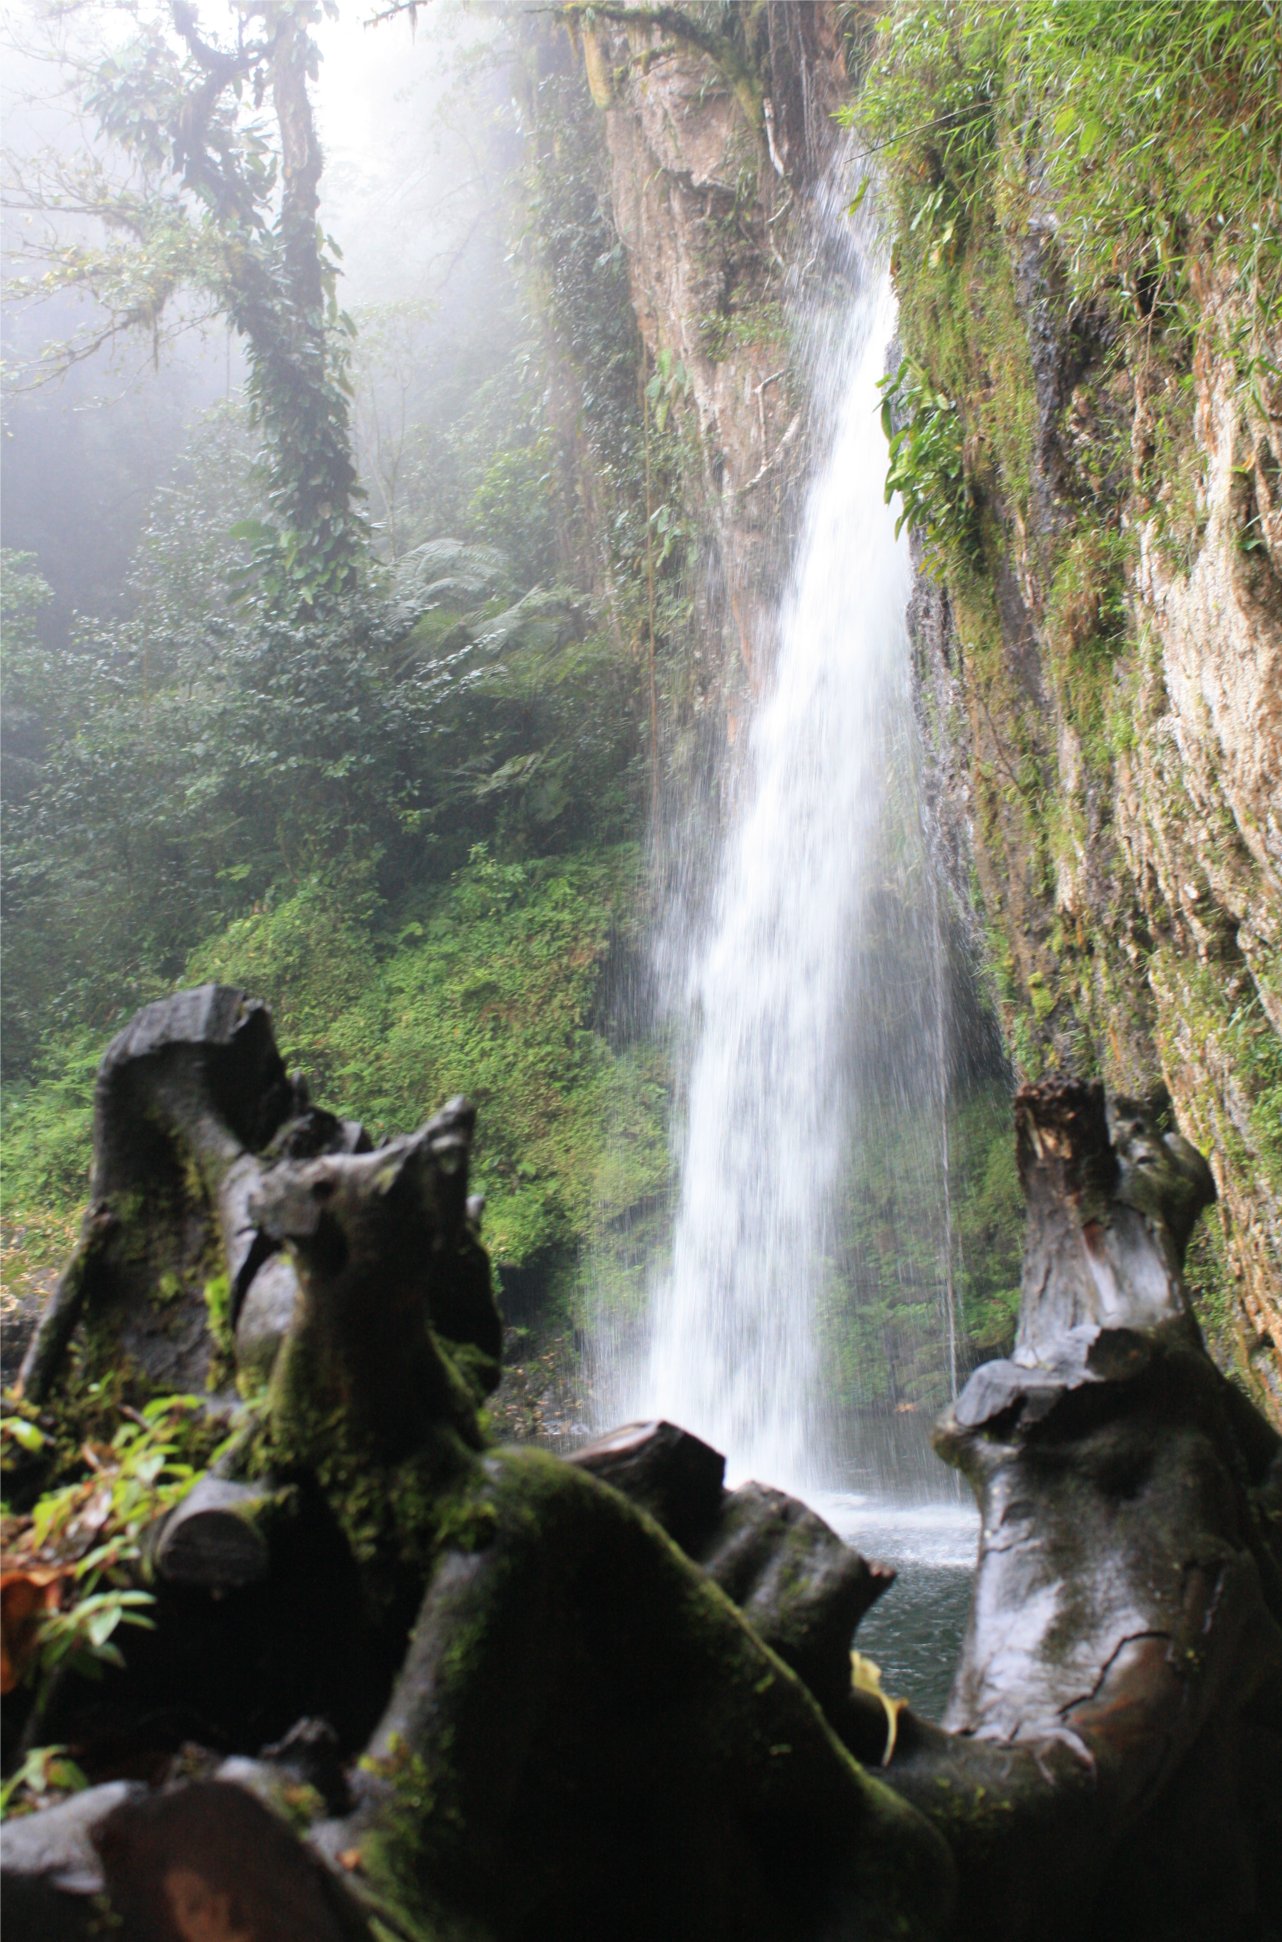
column 1042, row 1000
column 394, row 1516
column 389, row 1851
column 1208, row 1276
column 1000, row 389
column 721, row 334
column 477, row 1372
column 301, row 1804
column 103, row 1919
column 1228, row 1029
column 166, row 1290
column 1087, row 628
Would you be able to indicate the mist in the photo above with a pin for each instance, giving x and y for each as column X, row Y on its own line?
column 419, row 142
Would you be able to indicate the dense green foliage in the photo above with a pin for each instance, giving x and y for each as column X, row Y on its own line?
column 403, row 811
column 488, row 984
column 1154, row 120
column 1154, row 127
column 317, row 794
column 1164, row 119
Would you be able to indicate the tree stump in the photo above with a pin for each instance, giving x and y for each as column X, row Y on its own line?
column 541, row 1715
column 1112, row 1760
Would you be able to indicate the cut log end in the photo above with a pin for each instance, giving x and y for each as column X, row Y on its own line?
column 1062, row 1138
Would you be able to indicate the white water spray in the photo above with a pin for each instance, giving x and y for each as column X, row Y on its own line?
column 774, row 992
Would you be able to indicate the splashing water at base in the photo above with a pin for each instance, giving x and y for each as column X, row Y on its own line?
column 788, row 1002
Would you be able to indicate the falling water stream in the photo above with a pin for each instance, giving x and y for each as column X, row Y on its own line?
column 814, row 1017
column 734, row 1349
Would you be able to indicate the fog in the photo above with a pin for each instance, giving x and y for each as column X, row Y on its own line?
column 416, row 124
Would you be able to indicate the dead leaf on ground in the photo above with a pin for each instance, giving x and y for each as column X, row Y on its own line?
column 25, row 1597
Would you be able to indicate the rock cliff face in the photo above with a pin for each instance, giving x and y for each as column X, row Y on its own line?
column 1103, row 681
column 1200, row 819
column 1099, row 643
column 716, row 139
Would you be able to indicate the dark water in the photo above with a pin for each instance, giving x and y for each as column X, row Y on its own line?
column 914, row 1632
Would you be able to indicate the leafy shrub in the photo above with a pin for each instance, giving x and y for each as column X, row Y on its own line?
column 1161, row 126
column 490, row 988
column 48, row 1145
column 74, row 1562
column 924, row 434
column 1157, row 125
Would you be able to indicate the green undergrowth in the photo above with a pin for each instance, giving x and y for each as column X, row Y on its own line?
column 911, row 1241
column 76, row 1552
column 48, row 1145
column 491, row 984
column 1153, row 127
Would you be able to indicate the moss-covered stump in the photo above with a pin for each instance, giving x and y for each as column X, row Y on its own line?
column 187, row 1096
column 388, row 1265
column 286, row 1579
column 396, row 1683
column 588, row 1739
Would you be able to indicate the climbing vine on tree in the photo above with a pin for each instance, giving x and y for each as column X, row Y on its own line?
column 222, row 199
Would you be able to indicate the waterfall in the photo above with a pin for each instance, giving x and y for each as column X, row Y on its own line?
column 813, row 998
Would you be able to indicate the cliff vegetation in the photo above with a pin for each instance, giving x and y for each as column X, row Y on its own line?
column 1085, row 430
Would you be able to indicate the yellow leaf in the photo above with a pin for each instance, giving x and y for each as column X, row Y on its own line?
column 866, row 1676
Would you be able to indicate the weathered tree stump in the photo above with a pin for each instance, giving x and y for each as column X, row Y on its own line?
column 391, row 1224
column 799, row 1586
column 187, row 1095
column 548, row 1710
column 1112, row 1762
